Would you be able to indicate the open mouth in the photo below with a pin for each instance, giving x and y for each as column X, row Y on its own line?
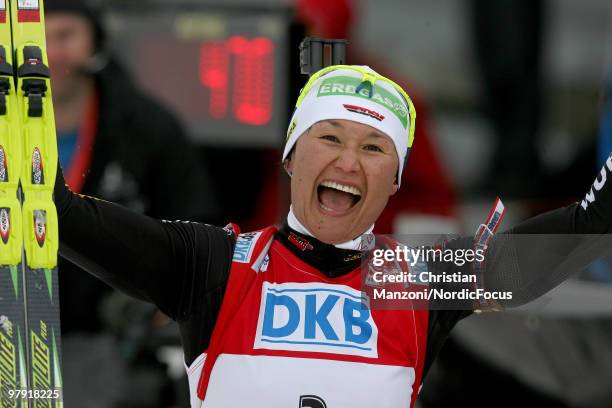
column 337, row 199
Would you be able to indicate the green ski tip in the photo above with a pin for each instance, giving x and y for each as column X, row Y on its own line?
column 49, row 279
column 13, row 269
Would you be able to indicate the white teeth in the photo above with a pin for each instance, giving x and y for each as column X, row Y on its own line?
column 341, row 187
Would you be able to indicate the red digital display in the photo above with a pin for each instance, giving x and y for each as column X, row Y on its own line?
column 223, row 72
column 214, row 75
column 243, row 68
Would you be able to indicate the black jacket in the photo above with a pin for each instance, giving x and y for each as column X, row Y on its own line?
column 141, row 159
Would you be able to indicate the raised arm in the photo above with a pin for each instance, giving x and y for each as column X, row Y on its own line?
column 566, row 241
column 171, row 264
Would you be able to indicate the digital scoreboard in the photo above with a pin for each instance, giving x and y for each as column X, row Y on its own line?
column 222, row 70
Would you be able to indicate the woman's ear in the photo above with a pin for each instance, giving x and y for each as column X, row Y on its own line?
column 394, row 189
column 288, row 165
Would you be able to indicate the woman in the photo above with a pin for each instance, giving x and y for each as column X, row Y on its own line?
column 286, row 325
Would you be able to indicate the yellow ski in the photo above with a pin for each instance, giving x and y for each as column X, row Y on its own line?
column 36, row 132
column 13, row 369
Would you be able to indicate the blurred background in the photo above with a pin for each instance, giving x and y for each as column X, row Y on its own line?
column 179, row 110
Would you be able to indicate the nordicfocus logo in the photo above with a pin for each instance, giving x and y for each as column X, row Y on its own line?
column 40, row 226
column 364, row 111
column 245, row 243
column 315, row 317
column 311, row 401
column 5, row 224
column 37, row 167
column 600, row 181
column 3, row 165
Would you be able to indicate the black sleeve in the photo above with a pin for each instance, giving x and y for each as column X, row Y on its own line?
column 531, row 266
column 171, row 264
column 541, row 252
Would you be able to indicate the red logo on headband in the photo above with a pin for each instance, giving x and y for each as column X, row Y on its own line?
column 363, row 111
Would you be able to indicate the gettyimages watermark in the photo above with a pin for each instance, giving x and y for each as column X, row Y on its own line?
column 426, row 272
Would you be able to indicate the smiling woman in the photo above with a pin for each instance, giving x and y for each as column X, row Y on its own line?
column 343, row 174
column 275, row 316
column 347, row 145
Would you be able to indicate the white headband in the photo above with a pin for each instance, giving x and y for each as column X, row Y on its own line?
column 358, row 94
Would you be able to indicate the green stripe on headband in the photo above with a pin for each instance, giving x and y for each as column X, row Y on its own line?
column 350, row 86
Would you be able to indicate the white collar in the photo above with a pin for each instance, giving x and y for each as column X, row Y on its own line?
column 296, row 225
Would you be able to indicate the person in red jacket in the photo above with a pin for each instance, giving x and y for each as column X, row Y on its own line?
column 429, row 190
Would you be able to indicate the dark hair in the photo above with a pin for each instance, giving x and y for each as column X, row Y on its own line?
column 83, row 9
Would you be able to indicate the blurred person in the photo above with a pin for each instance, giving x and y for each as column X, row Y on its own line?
column 113, row 139
column 223, row 287
column 118, row 144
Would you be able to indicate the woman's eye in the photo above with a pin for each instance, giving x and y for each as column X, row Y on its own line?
column 331, row 138
column 373, row 148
